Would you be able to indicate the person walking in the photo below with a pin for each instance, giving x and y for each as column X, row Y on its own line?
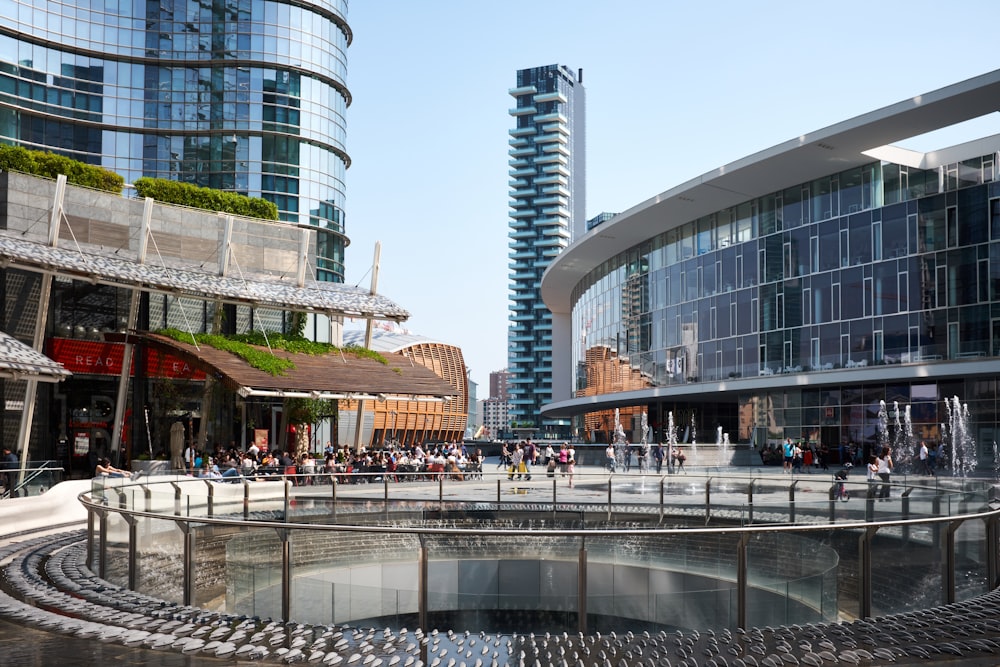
column 925, row 459
column 516, row 462
column 530, row 454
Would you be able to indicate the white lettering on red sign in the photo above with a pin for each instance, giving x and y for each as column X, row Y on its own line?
column 93, row 361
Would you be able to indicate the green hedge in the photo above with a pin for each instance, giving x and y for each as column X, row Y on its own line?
column 175, row 192
column 40, row 163
column 241, row 346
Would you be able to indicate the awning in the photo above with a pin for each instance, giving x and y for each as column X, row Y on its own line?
column 338, row 375
column 23, row 362
column 313, row 296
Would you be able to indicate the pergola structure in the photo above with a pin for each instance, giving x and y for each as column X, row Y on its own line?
column 144, row 246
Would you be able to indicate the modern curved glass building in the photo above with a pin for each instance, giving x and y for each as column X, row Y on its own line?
column 790, row 292
column 240, row 95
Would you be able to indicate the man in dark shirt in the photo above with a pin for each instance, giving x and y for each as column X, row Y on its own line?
column 8, row 465
column 529, row 457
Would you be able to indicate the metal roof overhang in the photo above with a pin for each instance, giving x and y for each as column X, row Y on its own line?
column 333, row 376
column 314, row 296
column 22, row 362
column 848, row 144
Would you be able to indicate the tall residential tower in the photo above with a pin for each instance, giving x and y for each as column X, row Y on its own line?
column 548, row 187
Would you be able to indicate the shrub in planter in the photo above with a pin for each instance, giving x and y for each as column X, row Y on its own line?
column 185, row 194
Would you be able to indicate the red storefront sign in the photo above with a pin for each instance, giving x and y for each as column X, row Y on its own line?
column 88, row 357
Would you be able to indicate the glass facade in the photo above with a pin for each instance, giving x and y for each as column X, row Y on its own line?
column 547, row 184
column 877, row 266
column 241, row 95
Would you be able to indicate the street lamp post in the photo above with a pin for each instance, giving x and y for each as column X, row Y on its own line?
column 393, row 413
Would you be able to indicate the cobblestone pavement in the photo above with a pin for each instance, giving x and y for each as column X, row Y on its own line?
column 21, row 646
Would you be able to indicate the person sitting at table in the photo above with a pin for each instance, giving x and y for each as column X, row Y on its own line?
column 105, row 469
column 451, row 465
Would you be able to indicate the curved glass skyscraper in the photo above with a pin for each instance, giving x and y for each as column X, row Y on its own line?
column 240, row 95
column 791, row 292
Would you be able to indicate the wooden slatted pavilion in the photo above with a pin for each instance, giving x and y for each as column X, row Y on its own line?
column 337, row 375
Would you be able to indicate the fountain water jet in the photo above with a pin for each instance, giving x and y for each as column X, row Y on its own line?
column 963, row 446
column 620, row 442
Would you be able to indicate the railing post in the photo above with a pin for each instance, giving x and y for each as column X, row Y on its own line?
column 865, row 571
column 286, row 574
column 246, row 499
column 102, row 566
column 554, row 497
column 609, row 498
column 833, row 502
column 288, row 499
column 905, row 510
column 333, row 493
column 211, row 497
column 662, row 498
column 177, row 498
column 992, row 546
column 948, row 561
column 133, row 538
column 440, row 492
column 749, row 506
column 870, row 502
column 581, row 587
column 90, row 538
column 742, row 580
column 422, row 585
column 498, row 493
column 708, row 500
column 791, row 501
column 188, row 557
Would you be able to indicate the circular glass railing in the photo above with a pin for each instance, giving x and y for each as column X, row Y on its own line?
column 612, row 552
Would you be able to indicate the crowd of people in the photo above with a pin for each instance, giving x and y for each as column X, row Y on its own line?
column 341, row 463
column 521, row 457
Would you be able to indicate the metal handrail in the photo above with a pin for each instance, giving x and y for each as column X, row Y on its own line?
column 205, row 511
column 32, row 474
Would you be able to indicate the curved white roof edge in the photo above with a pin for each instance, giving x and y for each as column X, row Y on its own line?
column 389, row 341
column 847, row 144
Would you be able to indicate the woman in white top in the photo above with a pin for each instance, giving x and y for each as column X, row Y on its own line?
column 883, row 468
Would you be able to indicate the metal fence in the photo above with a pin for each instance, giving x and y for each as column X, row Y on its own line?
column 719, row 551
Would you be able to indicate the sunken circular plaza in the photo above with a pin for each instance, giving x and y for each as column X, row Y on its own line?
column 617, row 570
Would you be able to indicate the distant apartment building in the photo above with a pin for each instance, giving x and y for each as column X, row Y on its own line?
column 498, row 384
column 548, row 187
column 496, row 417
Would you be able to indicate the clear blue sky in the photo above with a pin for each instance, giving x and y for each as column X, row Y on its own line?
column 673, row 90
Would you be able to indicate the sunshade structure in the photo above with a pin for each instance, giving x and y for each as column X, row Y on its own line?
column 312, row 295
column 337, row 375
column 22, row 362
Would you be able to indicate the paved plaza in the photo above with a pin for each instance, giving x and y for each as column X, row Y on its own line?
column 58, row 511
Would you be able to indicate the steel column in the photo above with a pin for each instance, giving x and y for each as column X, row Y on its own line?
column 581, row 588
column 865, row 571
column 742, row 580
